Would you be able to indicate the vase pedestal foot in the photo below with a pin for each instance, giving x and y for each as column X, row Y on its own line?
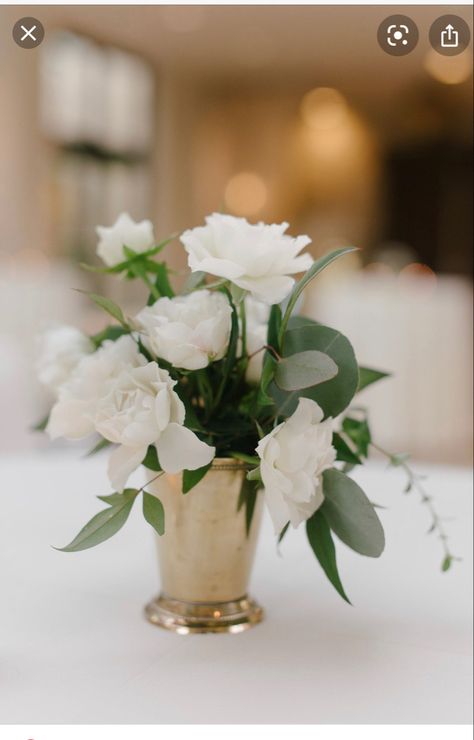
column 186, row 617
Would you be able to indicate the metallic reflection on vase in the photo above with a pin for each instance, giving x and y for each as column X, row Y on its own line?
column 205, row 556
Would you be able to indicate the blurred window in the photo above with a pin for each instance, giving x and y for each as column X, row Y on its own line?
column 97, row 110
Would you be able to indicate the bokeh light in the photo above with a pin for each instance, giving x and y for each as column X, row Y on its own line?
column 449, row 70
column 245, row 194
column 324, row 108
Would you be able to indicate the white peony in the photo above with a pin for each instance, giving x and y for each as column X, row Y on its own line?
column 258, row 258
column 293, row 457
column 124, row 232
column 188, row 331
column 140, row 409
column 61, row 349
column 73, row 414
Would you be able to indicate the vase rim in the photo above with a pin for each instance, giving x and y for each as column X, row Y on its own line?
column 228, row 463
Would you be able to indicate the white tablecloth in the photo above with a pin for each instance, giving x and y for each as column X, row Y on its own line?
column 74, row 647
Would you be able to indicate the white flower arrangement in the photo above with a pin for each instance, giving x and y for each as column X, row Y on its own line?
column 223, row 369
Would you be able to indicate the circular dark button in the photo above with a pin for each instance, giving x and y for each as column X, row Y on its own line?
column 449, row 35
column 398, row 35
column 28, row 32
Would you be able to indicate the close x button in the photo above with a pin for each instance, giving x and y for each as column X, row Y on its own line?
column 28, row 32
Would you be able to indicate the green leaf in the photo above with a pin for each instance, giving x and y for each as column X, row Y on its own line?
column 248, row 498
column 192, row 477
column 304, row 370
column 40, row 426
column 109, row 306
column 154, row 512
column 274, row 326
column 367, row 376
column 320, row 539
column 283, row 532
column 193, row 281
column 238, row 294
column 350, row 514
column 268, row 372
column 250, row 459
column 125, row 264
column 314, row 270
column 101, row 445
column 358, row 432
column 104, row 524
column 162, row 283
column 400, row 458
column 254, row 474
column 229, row 360
column 150, row 460
column 446, row 564
column 344, row 452
column 112, row 332
column 332, row 395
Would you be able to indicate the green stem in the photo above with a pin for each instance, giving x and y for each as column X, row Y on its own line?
column 414, row 483
column 143, row 276
column 243, row 323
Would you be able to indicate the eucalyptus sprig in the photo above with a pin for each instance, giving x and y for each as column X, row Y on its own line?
column 400, row 460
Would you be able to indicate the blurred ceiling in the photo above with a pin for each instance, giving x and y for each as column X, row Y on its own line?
column 257, row 41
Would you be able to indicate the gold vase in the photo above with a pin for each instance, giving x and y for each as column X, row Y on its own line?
column 206, row 555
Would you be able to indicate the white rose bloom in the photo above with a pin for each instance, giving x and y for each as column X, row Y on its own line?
column 141, row 409
column 188, row 331
column 61, row 349
column 258, row 258
column 73, row 414
column 293, row 457
column 124, row 232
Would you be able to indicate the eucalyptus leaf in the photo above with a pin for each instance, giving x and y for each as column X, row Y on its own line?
column 104, row 524
column 320, row 539
column 332, row 395
column 192, row 477
column 350, row 514
column 154, row 512
column 304, row 370
column 314, row 270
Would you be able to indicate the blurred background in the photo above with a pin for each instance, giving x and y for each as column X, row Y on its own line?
column 273, row 113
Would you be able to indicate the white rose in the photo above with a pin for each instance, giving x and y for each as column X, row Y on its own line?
column 61, row 349
column 188, row 331
column 73, row 414
column 124, row 232
column 140, row 409
column 258, row 258
column 293, row 457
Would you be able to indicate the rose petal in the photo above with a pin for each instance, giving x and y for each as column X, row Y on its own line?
column 179, row 449
column 122, row 462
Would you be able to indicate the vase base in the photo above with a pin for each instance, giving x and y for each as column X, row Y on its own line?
column 185, row 617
